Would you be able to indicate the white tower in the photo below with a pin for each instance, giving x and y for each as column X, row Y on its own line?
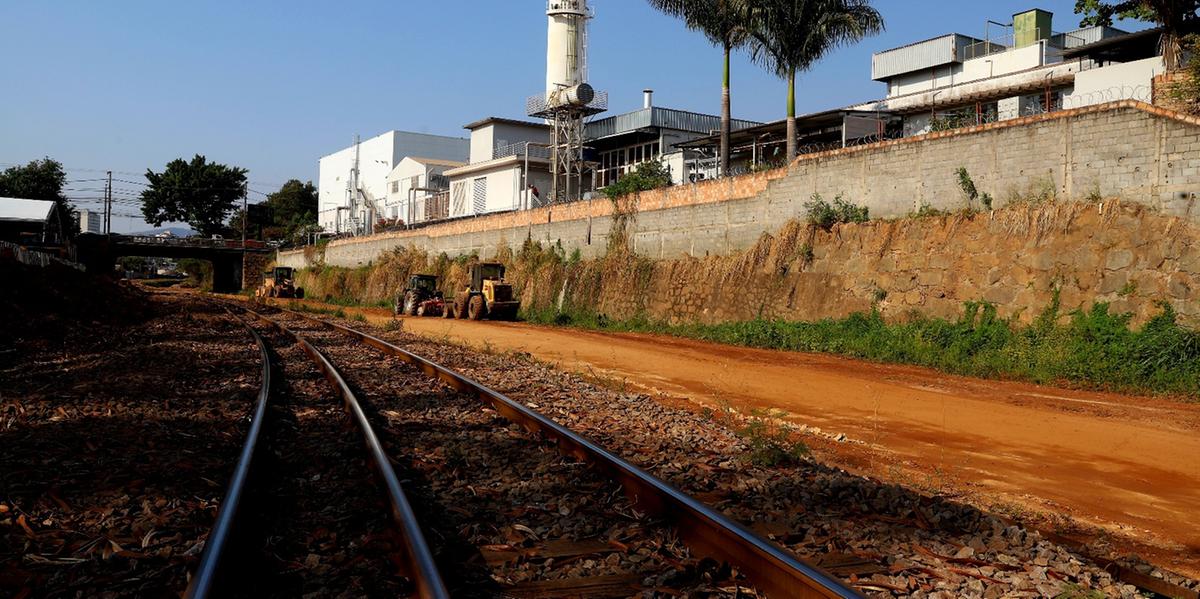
column 566, row 45
column 568, row 98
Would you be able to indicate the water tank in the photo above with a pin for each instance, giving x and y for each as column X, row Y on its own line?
column 567, row 37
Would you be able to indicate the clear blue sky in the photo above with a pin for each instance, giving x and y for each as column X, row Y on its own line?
column 272, row 86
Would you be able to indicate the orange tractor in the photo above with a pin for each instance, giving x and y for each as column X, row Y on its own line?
column 279, row 282
column 488, row 296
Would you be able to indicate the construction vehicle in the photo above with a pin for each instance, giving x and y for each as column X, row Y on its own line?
column 279, row 282
column 421, row 297
column 488, row 296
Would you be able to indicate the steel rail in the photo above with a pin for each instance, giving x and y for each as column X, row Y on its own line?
column 417, row 554
column 768, row 566
column 205, row 577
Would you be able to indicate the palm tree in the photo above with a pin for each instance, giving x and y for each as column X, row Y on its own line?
column 726, row 24
column 793, row 35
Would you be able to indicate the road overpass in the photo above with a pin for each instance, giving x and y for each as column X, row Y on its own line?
column 99, row 253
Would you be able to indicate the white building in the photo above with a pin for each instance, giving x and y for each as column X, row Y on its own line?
column 418, row 190
column 509, row 168
column 1024, row 68
column 351, row 200
column 90, row 221
column 1018, row 69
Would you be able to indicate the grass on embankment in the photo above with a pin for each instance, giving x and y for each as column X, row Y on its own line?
column 1093, row 348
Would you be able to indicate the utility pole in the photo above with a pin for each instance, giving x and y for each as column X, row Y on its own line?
column 108, row 205
column 244, row 194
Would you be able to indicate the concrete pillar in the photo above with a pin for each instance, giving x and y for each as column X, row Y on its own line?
column 227, row 274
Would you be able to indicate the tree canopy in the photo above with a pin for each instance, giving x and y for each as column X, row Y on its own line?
column 725, row 23
column 791, row 36
column 40, row 180
column 294, row 206
column 199, row 193
column 287, row 213
column 1177, row 18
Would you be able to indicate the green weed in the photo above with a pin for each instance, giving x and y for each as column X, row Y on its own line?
column 771, row 444
column 1094, row 348
column 824, row 215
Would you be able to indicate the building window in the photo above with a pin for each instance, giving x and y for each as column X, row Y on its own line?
column 395, row 187
column 480, row 196
column 616, row 163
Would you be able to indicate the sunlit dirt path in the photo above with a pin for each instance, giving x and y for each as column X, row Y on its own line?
column 1128, row 465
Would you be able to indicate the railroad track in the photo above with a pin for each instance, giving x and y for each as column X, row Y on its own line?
column 502, row 511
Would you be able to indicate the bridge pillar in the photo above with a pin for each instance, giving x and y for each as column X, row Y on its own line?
column 227, row 274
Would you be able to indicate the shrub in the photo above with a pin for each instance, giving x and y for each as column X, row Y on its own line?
column 647, row 176
column 824, row 215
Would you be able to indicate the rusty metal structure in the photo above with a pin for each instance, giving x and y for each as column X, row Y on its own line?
column 769, row 567
column 419, row 559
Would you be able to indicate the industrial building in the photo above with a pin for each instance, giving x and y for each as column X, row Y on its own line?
column 353, row 182
column 954, row 80
column 571, row 151
column 619, row 143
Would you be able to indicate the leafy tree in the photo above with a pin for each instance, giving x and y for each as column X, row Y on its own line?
column 793, row 35
column 41, row 180
column 294, row 206
column 1177, row 18
column 725, row 23
column 199, row 193
column 286, row 214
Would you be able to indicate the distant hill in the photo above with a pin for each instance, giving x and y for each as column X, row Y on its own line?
column 176, row 231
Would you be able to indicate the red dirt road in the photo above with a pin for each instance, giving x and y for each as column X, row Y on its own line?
column 1128, row 465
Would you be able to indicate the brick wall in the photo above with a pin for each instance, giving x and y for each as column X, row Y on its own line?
column 1127, row 150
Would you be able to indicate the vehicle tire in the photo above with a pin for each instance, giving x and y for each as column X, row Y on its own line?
column 460, row 307
column 398, row 305
column 273, row 292
column 299, row 293
column 410, row 304
column 477, row 308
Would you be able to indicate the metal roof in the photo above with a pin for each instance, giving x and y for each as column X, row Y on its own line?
column 918, row 56
column 1145, row 38
column 19, row 209
column 504, row 121
column 665, row 118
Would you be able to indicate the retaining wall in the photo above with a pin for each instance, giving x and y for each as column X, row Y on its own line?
column 1125, row 150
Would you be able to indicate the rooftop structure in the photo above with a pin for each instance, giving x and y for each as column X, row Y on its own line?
column 29, row 221
column 508, row 169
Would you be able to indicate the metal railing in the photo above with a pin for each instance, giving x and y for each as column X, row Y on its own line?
column 1004, row 43
column 533, row 149
column 537, row 105
column 33, row 258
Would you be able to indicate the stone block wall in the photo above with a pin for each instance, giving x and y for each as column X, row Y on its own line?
column 1017, row 258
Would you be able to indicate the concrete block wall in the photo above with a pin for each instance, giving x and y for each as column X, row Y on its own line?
column 1127, row 150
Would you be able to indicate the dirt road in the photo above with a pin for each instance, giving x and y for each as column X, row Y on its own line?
column 1128, row 465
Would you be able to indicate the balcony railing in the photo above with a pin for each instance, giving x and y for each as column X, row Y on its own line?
column 1004, row 43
